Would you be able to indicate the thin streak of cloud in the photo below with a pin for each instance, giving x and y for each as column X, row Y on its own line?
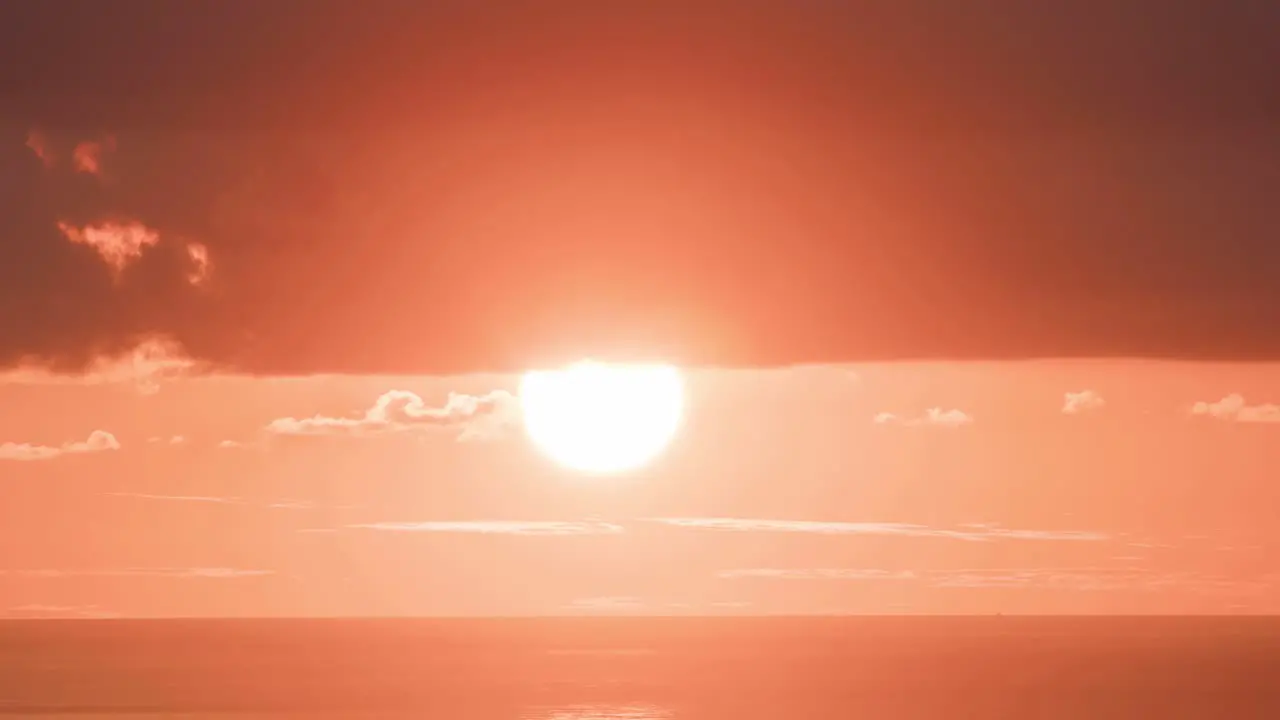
column 1076, row 403
column 817, row 574
column 1234, row 408
column 612, row 603
column 98, row 441
column 283, row 504
column 165, row 572
column 499, row 527
column 935, row 417
column 873, row 528
column 172, row 440
column 180, row 498
column 60, row 611
column 1080, row 579
column 476, row 416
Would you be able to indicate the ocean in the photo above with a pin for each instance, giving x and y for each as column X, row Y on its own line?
column 872, row 668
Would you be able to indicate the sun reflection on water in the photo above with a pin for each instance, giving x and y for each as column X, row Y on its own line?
column 600, row 712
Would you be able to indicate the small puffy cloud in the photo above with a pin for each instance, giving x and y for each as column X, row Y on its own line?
column 201, row 266
column 983, row 534
column 499, row 527
column 476, row 416
column 118, row 243
column 936, row 417
column 1234, row 408
column 150, row 363
column 98, row 441
column 87, row 156
column 38, row 144
column 1075, row 403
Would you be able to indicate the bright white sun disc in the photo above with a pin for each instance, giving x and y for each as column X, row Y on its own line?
column 600, row 417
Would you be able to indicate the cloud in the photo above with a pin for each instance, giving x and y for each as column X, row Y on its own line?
column 180, row 498
column 98, row 441
column 172, row 440
column 60, row 611
column 476, row 416
column 817, row 574
column 146, row 366
column 216, row 573
column 1098, row 579
column 287, row 504
column 607, row 603
column 500, row 527
column 1233, row 407
column 87, row 156
column 933, row 416
column 984, row 534
column 201, row 266
column 38, row 144
column 1081, row 579
column 118, row 243
column 1075, row 403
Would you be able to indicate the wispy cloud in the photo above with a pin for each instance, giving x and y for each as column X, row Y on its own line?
column 983, row 534
column 179, row 498
column 38, row 144
column 60, row 611
column 1099, row 579
column 201, row 265
column 1076, row 403
column 171, row 440
column 87, row 156
column 609, row 603
column 476, row 416
column 936, row 417
column 98, row 441
column 500, row 527
column 284, row 504
column 1068, row 579
column 119, row 244
column 150, row 363
column 1233, row 407
column 817, row 574
column 166, row 572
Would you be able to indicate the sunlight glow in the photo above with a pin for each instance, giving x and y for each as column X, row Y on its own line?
column 602, row 418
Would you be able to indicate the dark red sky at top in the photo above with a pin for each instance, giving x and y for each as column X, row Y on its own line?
column 395, row 187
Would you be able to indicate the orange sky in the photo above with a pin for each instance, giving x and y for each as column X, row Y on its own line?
column 280, row 205
column 787, row 491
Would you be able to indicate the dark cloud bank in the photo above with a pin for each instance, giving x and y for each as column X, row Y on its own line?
column 384, row 187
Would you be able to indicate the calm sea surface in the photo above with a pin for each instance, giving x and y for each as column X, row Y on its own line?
column 639, row 669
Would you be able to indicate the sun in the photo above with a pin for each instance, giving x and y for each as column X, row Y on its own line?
column 600, row 417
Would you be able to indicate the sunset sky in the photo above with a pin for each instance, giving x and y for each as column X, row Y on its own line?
column 976, row 305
